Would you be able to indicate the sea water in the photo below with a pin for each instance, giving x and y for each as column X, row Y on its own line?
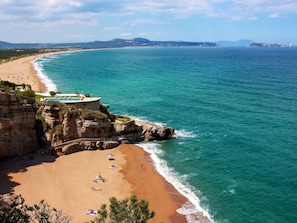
column 234, row 111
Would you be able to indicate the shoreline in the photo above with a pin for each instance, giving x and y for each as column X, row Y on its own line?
column 16, row 70
column 151, row 186
column 175, row 199
column 23, row 71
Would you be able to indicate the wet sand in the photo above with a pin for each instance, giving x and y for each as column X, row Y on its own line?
column 148, row 184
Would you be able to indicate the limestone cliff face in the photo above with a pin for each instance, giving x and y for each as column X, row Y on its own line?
column 69, row 131
column 17, row 125
column 26, row 127
column 67, row 123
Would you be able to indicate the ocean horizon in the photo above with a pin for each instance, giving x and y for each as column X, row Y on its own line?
column 234, row 110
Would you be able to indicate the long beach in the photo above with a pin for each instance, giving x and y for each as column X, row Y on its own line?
column 67, row 182
column 21, row 71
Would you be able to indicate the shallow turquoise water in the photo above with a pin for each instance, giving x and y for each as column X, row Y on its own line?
column 234, row 109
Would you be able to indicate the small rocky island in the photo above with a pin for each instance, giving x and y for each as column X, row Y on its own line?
column 28, row 126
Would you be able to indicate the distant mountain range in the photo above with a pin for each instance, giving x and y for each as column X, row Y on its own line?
column 136, row 42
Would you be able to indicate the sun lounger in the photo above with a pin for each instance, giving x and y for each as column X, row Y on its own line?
column 91, row 212
column 110, row 157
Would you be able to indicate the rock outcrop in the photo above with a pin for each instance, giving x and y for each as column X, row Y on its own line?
column 26, row 126
column 17, row 125
column 155, row 132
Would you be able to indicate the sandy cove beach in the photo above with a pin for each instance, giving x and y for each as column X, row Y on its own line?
column 67, row 182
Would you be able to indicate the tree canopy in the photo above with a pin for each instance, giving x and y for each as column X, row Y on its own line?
column 124, row 211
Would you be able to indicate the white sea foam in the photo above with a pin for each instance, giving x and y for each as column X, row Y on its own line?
column 191, row 209
column 144, row 119
column 185, row 134
column 179, row 133
column 49, row 84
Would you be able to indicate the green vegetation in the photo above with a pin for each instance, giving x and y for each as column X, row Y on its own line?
column 57, row 131
column 55, row 104
column 61, row 109
column 17, row 211
column 21, row 89
column 93, row 115
column 124, row 211
column 28, row 93
column 120, row 211
column 6, row 55
column 122, row 119
column 6, row 85
column 52, row 93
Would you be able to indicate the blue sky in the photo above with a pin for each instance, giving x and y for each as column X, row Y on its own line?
column 56, row 21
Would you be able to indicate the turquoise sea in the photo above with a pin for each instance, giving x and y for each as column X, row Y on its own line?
column 234, row 110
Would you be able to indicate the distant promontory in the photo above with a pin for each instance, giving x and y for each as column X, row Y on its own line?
column 275, row 45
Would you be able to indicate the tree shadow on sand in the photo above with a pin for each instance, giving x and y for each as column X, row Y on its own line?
column 13, row 165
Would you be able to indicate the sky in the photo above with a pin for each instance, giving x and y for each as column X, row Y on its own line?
column 60, row 21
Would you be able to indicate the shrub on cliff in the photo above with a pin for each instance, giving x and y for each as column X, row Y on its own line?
column 28, row 93
column 121, row 211
column 122, row 119
column 6, row 85
column 93, row 115
column 57, row 131
column 13, row 209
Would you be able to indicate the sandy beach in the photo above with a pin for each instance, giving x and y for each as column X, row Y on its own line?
column 21, row 71
column 67, row 182
column 147, row 184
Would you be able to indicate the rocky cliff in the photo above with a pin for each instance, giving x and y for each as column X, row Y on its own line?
column 17, row 125
column 69, row 129
column 26, row 126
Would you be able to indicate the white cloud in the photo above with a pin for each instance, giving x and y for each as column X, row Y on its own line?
column 75, row 3
column 77, row 36
column 144, row 21
column 111, row 28
column 107, row 15
column 252, row 18
column 125, row 34
column 54, row 9
column 142, row 34
column 274, row 15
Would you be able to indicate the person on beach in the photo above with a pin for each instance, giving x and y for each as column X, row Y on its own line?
column 96, row 189
column 99, row 176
